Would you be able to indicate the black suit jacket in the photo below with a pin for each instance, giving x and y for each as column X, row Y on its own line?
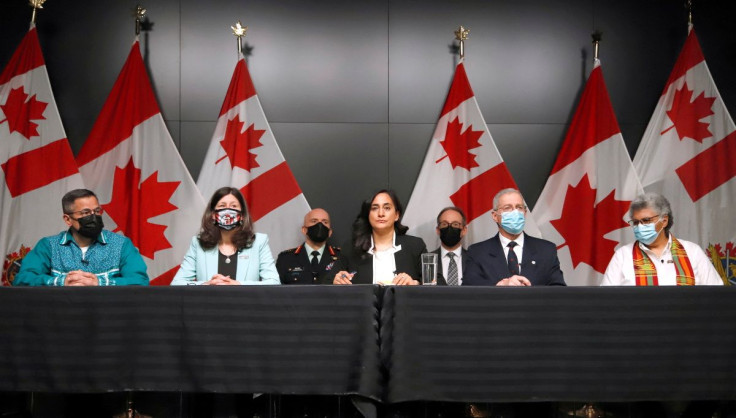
column 440, row 273
column 408, row 260
column 487, row 265
column 295, row 266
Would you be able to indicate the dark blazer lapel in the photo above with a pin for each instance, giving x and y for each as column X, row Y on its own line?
column 401, row 257
column 498, row 258
column 529, row 258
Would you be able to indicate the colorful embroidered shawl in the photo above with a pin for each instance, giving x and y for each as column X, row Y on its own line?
column 645, row 273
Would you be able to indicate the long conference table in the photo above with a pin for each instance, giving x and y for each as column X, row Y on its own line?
column 380, row 344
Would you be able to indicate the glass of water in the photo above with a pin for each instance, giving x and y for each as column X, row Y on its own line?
column 429, row 269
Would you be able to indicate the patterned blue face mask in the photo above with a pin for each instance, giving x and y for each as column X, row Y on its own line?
column 513, row 222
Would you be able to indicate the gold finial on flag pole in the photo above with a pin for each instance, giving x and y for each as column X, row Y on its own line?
column 689, row 6
column 596, row 40
column 36, row 4
column 239, row 31
column 138, row 13
column 461, row 34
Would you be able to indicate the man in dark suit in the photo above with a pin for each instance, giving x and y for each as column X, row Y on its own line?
column 512, row 258
column 313, row 259
column 451, row 228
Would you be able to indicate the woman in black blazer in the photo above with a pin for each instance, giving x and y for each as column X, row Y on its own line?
column 380, row 251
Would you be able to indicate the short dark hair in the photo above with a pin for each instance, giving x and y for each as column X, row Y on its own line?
column 362, row 230
column 456, row 209
column 209, row 235
column 67, row 202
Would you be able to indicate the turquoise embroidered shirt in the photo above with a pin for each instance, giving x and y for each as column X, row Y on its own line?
column 111, row 257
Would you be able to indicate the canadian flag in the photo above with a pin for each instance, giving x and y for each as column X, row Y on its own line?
column 244, row 154
column 462, row 168
column 583, row 207
column 688, row 154
column 38, row 165
column 129, row 160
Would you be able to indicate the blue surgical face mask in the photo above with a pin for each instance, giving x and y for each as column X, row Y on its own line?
column 513, row 222
column 646, row 234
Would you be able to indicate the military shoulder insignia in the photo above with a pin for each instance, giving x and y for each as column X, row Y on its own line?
column 290, row 250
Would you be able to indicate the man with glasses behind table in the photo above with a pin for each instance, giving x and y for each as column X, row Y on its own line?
column 85, row 254
column 656, row 257
column 511, row 257
column 451, row 228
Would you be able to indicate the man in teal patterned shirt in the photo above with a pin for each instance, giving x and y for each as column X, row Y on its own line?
column 85, row 254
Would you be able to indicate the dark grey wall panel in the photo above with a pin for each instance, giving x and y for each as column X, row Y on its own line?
column 529, row 151
column 408, row 144
column 195, row 140
column 337, row 165
column 514, row 69
column 310, row 61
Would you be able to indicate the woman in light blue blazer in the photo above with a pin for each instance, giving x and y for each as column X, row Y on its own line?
column 227, row 251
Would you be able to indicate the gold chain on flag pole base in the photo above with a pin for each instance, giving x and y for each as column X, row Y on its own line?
column 36, row 4
column 239, row 30
column 461, row 34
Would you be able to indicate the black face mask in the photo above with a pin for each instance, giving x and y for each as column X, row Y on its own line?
column 450, row 236
column 318, row 232
column 90, row 226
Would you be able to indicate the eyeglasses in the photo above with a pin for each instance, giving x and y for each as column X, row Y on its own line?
column 643, row 221
column 86, row 212
column 443, row 225
column 509, row 208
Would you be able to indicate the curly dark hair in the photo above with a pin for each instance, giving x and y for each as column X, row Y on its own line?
column 362, row 229
column 209, row 235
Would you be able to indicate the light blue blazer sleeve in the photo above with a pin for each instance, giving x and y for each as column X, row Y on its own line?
column 255, row 264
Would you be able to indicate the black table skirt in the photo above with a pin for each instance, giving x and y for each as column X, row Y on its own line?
column 387, row 344
column 563, row 344
column 256, row 339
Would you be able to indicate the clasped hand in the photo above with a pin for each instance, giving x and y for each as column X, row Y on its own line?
column 514, row 280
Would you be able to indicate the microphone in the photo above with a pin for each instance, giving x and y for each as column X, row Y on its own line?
column 85, row 262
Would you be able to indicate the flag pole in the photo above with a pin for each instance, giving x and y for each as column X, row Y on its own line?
column 239, row 31
column 596, row 40
column 36, row 4
column 461, row 34
column 689, row 7
column 138, row 13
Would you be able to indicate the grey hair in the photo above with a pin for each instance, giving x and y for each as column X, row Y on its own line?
column 498, row 195
column 655, row 202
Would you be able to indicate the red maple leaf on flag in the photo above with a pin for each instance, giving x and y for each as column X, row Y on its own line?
column 20, row 110
column 237, row 144
column 686, row 115
column 458, row 144
column 583, row 224
column 133, row 203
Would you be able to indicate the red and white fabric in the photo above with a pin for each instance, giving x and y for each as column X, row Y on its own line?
column 130, row 161
column 38, row 165
column 584, row 204
column 462, row 168
column 687, row 154
column 244, row 154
